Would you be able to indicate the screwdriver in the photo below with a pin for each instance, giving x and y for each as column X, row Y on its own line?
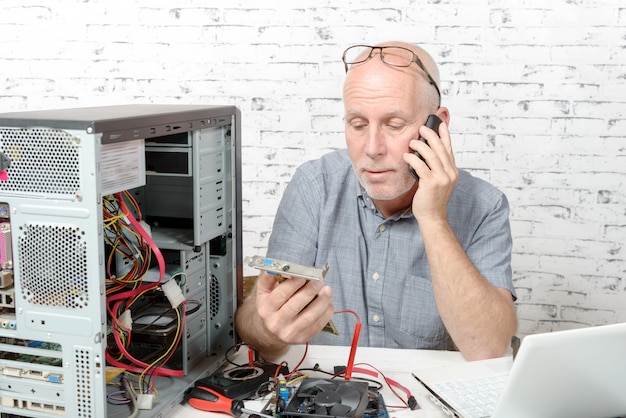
column 207, row 400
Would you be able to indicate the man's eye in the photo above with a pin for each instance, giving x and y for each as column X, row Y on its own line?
column 357, row 126
column 395, row 127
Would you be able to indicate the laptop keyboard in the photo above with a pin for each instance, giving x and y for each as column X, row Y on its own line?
column 475, row 398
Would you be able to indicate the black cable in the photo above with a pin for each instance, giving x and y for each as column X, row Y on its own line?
column 377, row 385
column 197, row 307
column 236, row 347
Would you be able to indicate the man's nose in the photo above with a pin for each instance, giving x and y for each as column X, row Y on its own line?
column 375, row 142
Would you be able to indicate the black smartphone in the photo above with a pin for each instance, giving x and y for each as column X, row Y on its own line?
column 432, row 122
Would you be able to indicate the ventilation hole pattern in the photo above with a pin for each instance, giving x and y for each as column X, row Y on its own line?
column 215, row 297
column 84, row 395
column 43, row 161
column 53, row 266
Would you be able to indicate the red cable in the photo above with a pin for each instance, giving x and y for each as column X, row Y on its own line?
column 250, row 356
column 391, row 382
column 137, row 370
column 144, row 235
column 133, row 293
column 179, row 338
column 355, row 342
column 160, row 371
column 294, row 370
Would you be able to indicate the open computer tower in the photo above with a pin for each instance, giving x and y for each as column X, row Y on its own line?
column 71, row 183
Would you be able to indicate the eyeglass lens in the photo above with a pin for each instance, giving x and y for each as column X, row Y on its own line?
column 391, row 55
column 399, row 57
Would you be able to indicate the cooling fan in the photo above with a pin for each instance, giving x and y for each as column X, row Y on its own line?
column 328, row 398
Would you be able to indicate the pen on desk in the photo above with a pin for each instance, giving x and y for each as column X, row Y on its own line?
column 515, row 344
column 434, row 395
column 425, row 386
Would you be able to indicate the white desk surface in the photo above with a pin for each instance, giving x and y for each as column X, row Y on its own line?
column 395, row 364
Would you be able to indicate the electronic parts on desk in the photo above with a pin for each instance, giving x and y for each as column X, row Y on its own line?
column 328, row 398
column 376, row 407
column 243, row 382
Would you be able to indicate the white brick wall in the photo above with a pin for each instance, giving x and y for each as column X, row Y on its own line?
column 536, row 90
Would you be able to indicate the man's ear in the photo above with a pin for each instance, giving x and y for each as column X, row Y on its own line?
column 444, row 115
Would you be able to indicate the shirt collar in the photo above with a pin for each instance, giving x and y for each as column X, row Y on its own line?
column 366, row 202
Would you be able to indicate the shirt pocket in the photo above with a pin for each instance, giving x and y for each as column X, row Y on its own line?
column 420, row 323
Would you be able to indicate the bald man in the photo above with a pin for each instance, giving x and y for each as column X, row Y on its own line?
column 423, row 261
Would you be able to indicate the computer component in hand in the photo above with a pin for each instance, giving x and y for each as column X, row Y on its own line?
column 286, row 270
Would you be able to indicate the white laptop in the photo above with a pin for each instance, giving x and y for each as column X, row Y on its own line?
column 579, row 373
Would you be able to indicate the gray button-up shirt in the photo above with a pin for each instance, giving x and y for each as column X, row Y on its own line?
column 378, row 266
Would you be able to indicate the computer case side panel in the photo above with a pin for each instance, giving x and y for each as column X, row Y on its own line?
column 53, row 358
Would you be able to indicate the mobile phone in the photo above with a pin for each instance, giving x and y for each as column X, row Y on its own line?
column 433, row 123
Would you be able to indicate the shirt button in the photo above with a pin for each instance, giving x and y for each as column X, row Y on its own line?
column 376, row 318
column 381, row 228
column 375, row 276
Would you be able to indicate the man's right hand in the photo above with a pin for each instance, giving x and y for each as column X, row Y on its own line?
column 277, row 315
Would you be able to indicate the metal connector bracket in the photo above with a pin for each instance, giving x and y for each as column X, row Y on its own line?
column 285, row 269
